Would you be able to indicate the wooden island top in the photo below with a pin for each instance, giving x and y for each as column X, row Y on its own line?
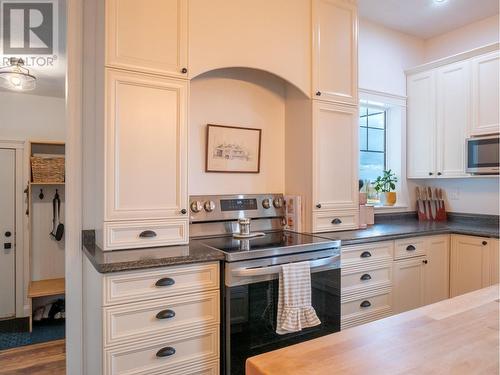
column 455, row 336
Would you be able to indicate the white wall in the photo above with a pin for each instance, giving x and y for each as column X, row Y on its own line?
column 384, row 54
column 468, row 37
column 35, row 117
column 238, row 97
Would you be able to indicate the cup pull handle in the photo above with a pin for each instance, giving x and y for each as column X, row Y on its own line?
column 165, row 314
column 365, row 304
column 166, row 281
column 365, row 254
column 365, row 277
column 147, row 234
column 165, row 352
column 336, row 221
column 411, row 248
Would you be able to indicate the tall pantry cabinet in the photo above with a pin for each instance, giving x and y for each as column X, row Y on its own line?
column 139, row 120
column 329, row 147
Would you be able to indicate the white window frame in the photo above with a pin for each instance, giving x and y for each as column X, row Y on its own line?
column 395, row 106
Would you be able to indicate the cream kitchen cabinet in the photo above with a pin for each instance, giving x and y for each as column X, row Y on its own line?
column 485, row 94
column 152, row 37
column 145, row 161
column 447, row 102
column 438, row 118
column 424, row 278
column 474, row 263
column 335, row 160
column 162, row 321
column 335, row 50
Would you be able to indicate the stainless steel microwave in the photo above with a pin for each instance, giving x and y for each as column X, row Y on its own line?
column 482, row 155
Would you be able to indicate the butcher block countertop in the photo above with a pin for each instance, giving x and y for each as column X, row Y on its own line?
column 455, row 336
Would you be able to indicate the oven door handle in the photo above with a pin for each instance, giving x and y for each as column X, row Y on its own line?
column 269, row 270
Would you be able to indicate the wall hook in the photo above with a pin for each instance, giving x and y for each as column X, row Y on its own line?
column 41, row 196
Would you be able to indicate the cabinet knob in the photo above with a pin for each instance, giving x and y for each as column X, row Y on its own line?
column 165, row 314
column 365, row 277
column 8, row 234
column 425, row 261
column 411, row 248
column 430, row 173
column 318, row 93
column 439, row 173
column 165, row 352
column 318, row 205
column 485, row 243
column 336, row 221
column 184, row 70
column 166, row 281
column 365, row 254
column 365, row 304
column 147, row 234
column 183, row 211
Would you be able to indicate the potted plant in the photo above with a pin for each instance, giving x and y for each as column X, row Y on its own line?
column 385, row 186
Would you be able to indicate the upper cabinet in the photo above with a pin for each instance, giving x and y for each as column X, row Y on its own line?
column 150, row 36
column 446, row 104
column 485, row 97
column 335, row 51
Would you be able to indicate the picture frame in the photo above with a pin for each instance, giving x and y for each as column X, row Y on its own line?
column 232, row 149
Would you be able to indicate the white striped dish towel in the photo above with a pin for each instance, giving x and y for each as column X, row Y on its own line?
column 295, row 310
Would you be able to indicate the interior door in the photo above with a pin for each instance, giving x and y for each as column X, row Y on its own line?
column 7, row 234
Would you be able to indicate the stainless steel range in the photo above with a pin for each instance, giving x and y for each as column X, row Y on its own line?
column 251, row 232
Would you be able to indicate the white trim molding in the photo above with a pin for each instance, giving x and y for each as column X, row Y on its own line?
column 383, row 98
column 73, row 212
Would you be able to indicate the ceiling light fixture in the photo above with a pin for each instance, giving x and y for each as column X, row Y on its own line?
column 16, row 77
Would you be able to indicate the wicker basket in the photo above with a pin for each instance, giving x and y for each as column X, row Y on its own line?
column 47, row 169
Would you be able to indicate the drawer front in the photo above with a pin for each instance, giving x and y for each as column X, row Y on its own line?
column 179, row 351
column 201, row 368
column 328, row 221
column 359, row 281
column 367, row 304
column 410, row 247
column 133, row 234
column 369, row 254
column 169, row 281
column 145, row 320
column 365, row 318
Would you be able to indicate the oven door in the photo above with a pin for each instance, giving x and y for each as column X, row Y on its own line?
column 251, row 309
column 483, row 155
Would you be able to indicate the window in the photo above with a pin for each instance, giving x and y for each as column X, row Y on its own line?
column 372, row 142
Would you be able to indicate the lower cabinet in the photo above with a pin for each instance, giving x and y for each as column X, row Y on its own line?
column 159, row 321
column 422, row 280
column 474, row 263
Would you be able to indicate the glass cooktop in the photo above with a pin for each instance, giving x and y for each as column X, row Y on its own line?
column 271, row 244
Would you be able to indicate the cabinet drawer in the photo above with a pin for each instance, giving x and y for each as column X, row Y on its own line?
column 370, row 303
column 144, row 320
column 328, row 221
column 136, row 285
column 410, row 247
column 357, row 281
column 180, row 351
column 133, row 234
column 363, row 255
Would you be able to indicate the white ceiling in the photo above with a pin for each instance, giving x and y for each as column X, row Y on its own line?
column 426, row 18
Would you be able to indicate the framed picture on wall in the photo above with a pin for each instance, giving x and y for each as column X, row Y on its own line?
column 231, row 149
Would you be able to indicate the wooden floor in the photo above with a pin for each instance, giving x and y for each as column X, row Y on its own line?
column 47, row 358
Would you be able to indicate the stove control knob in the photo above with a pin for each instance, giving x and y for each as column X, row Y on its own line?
column 196, row 206
column 266, row 203
column 209, row 206
column 278, row 202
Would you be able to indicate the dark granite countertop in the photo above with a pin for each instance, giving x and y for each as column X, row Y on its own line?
column 387, row 227
column 135, row 259
column 396, row 226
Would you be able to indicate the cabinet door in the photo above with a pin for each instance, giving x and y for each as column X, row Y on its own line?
column 453, row 117
column 335, row 50
column 409, row 285
column 146, row 147
column 150, row 35
column 421, row 134
column 470, row 264
column 436, row 270
column 335, row 157
column 485, row 97
column 494, row 260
